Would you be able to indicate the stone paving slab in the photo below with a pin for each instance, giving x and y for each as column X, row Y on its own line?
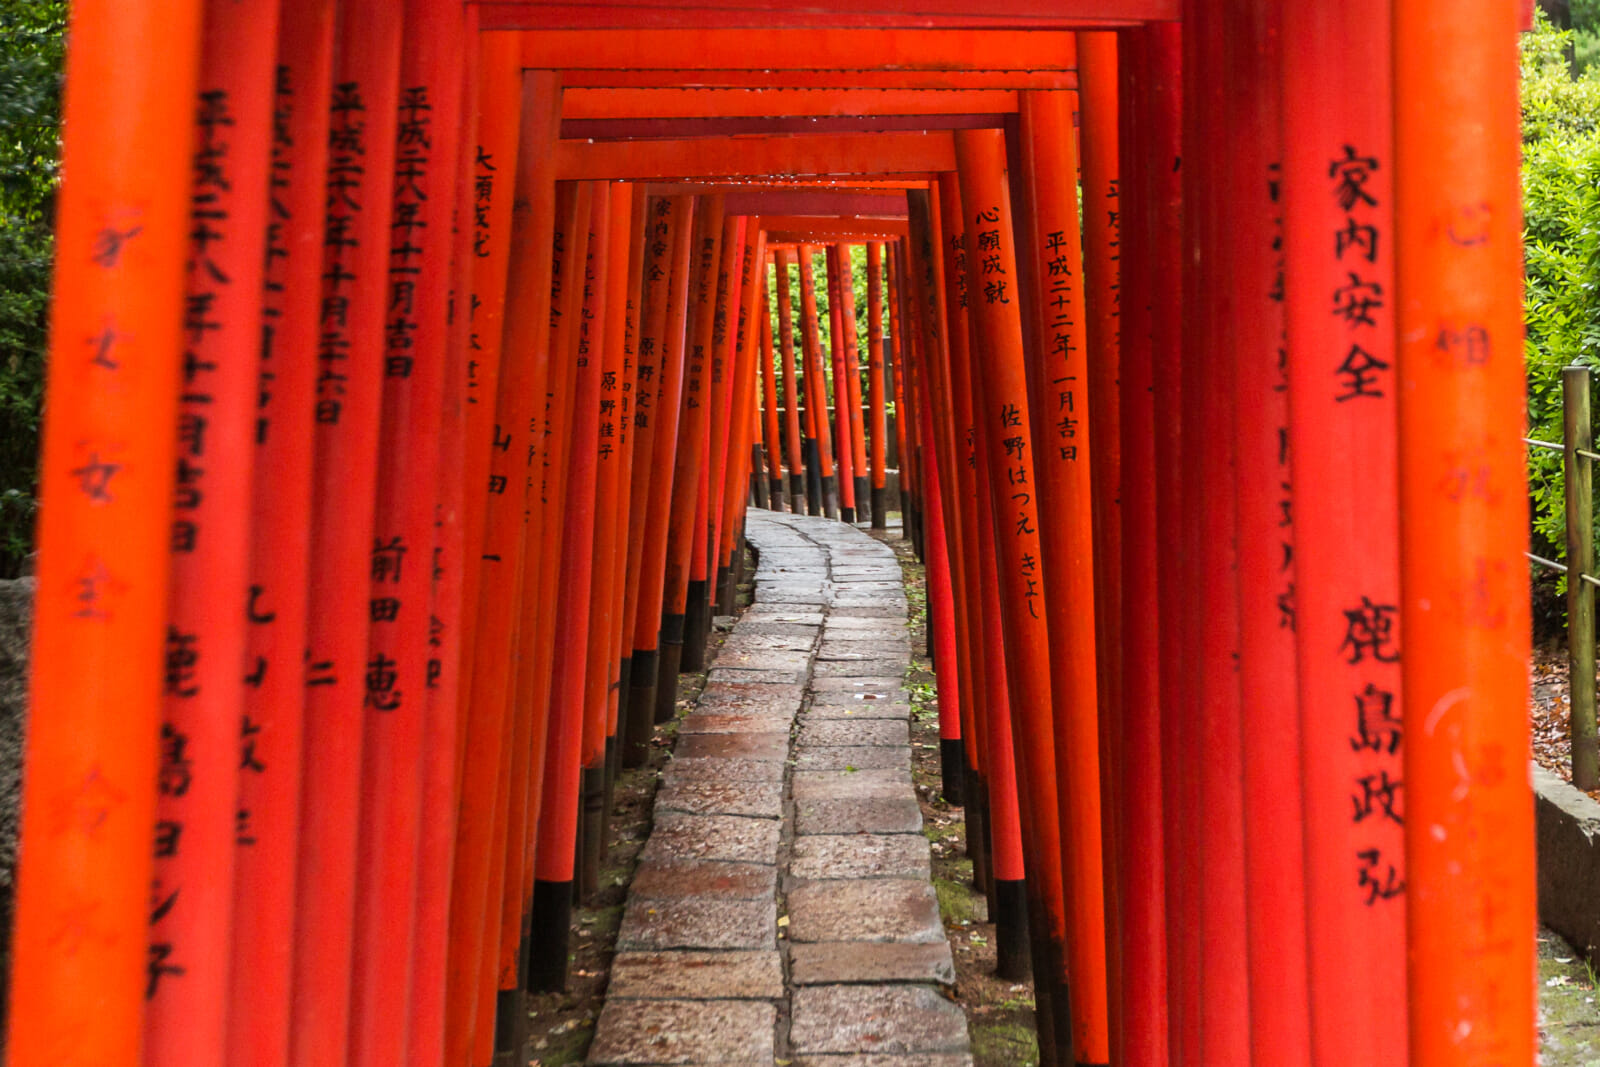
column 904, row 1019
column 698, row 922
column 890, row 683
column 859, row 709
column 684, row 1032
column 744, row 720
column 850, row 815
column 814, row 783
column 756, row 819
column 844, row 757
column 708, row 796
column 773, row 745
column 858, row 855
column 666, row 879
column 733, row 770
column 861, row 732
column 712, row 837
column 878, row 909
column 870, row 1059
column 838, row 962
column 697, row 976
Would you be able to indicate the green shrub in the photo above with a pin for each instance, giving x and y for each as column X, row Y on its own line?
column 31, row 39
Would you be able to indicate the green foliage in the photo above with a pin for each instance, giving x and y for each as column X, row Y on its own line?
column 1561, row 203
column 32, row 34
column 819, row 268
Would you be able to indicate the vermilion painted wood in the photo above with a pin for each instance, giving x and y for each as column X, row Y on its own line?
column 940, row 80
column 610, row 350
column 662, row 218
column 476, row 892
column 892, row 274
column 727, row 333
column 263, row 877
column 629, row 386
column 212, row 604
column 1141, row 1038
column 735, row 489
column 1464, row 584
column 1273, row 814
column 1002, row 414
column 816, row 379
column 852, row 371
column 873, row 203
column 842, row 153
column 1346, row 532
column 839, row 425
column 947, row 544
column 457, row 496
column 666, row 417
column 794, row 49
column 1165, row 56
column 493, row 164
column 402, row 571
column 649, row 128
column 1102, row 221
column 1061, row 474
column 794, row 229
column 207, row 627
column 791, row 395
column 540, row 718
column 876, row 421
column 1211, row 506
column 976, row 717
column 104, row 537
column 771, row 438
column 350, row 367
column 689, row 461
column 1023, row 14
column 733, row 103
column 558, row 815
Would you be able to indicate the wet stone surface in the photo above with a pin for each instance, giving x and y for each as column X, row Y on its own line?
column 877, row 815
column 905, row 1019
column 876, row 909
column 859, row 855
column 781, row 912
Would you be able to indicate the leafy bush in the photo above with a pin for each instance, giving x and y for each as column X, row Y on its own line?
column 31, row 40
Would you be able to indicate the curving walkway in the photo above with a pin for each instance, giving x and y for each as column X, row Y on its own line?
column 781, row 912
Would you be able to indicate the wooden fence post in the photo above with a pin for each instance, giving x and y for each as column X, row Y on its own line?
column 1578, row 435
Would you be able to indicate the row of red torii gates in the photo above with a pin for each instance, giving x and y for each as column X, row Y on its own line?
column 402, row 404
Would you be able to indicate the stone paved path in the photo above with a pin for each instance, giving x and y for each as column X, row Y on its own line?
column 781, row 911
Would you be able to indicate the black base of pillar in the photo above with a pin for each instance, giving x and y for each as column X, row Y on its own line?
column 830, row 496
column 847, row 514
column 551, row 938
column 594, row 834
column 613, row 766
column 975, row 796
column 696, row 626
column 813, row 460
column 1047, row 996
column 952, row 770
column 864, row 501
column 510, row 1028
column 723, row 601
column 880, row 509
column 641, row 708
column 775, row 494
column 667, row 669
column 797, row 492
column 1013, row 953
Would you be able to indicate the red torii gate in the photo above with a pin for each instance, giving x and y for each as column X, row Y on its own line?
column 1221, row 501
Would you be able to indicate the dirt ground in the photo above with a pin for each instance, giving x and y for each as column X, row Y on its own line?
column 999, row 1012
column 561, row 1025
